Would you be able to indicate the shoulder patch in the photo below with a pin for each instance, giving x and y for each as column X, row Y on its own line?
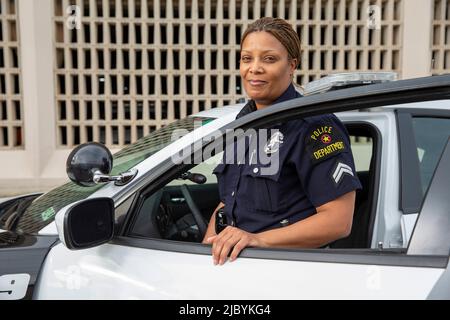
column 325, row 140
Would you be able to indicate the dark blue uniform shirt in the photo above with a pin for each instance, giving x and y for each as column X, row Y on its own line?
column 315, row 166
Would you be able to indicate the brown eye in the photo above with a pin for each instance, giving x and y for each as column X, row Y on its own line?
column 270, row 59
column 245, row 59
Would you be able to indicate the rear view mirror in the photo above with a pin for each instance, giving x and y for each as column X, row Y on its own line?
column 86, row 224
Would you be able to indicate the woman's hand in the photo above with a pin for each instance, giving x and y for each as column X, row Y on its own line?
column 231, row 238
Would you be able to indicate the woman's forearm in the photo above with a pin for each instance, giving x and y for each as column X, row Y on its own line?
column 312, row 232
column 331, row 222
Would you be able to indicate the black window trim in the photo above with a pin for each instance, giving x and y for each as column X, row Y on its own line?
column 410, row 182
column 433, row 218
column 377, row 152
column 411, row 195
column 419, row 112
column 347, row 256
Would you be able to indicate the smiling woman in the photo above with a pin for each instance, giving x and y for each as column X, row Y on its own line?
column 309, row 201
column 270, row 53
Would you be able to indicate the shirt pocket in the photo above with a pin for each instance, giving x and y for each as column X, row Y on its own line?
column 262, row 186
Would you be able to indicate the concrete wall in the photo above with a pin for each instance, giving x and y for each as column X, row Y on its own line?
column 411, row 32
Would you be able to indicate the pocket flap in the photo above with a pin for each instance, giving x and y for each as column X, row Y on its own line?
column 263, row 171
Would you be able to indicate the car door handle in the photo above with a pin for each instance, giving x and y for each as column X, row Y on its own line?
column 177, row 200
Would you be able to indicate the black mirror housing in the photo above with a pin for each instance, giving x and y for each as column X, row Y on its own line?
column 85, row 160
column 87, row 224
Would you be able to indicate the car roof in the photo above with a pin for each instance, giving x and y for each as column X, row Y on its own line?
column 234, row 109
column 430, row 105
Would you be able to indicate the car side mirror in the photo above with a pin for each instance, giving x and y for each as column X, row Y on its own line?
column 90, row 164
column 86, row 224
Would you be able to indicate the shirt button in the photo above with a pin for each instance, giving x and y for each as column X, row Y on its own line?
column 232, row 194
column 255, row 170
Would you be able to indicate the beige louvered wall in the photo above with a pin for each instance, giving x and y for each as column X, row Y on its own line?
column 11, row 112
column 134, row 66
column 441, row 37
column 335, row 37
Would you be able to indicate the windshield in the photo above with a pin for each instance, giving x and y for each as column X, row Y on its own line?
column 42, row 211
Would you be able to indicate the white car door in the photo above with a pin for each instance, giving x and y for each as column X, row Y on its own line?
column 125, row 271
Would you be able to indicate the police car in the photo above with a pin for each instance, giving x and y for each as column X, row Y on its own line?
column 130, row 226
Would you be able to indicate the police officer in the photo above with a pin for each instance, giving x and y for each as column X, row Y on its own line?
column 309, row 200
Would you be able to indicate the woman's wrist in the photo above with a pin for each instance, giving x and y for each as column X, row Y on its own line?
column 261, row 240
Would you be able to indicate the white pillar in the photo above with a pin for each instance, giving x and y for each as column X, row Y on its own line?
column 37, row 56
column 418, row 17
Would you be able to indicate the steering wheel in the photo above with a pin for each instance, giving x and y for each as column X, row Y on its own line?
column 198, row 217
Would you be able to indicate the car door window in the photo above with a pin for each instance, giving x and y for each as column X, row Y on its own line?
column 167, row 214
column 431, row 135
column 362, row 152
column 205, row 168
column 364, row 148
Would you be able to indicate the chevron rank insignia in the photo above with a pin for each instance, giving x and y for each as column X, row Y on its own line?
column 340, row 170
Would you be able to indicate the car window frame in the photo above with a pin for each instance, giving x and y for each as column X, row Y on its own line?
column 431, row 220
column 377, row 148
column 391, row 257
column 387, row 257
column 405, row 91
column 374, row 132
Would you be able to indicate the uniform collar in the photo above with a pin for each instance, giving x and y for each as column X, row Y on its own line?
column 288, row 94
column 249, row 107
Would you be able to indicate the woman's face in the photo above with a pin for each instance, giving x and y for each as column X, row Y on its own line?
column 265, row 68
